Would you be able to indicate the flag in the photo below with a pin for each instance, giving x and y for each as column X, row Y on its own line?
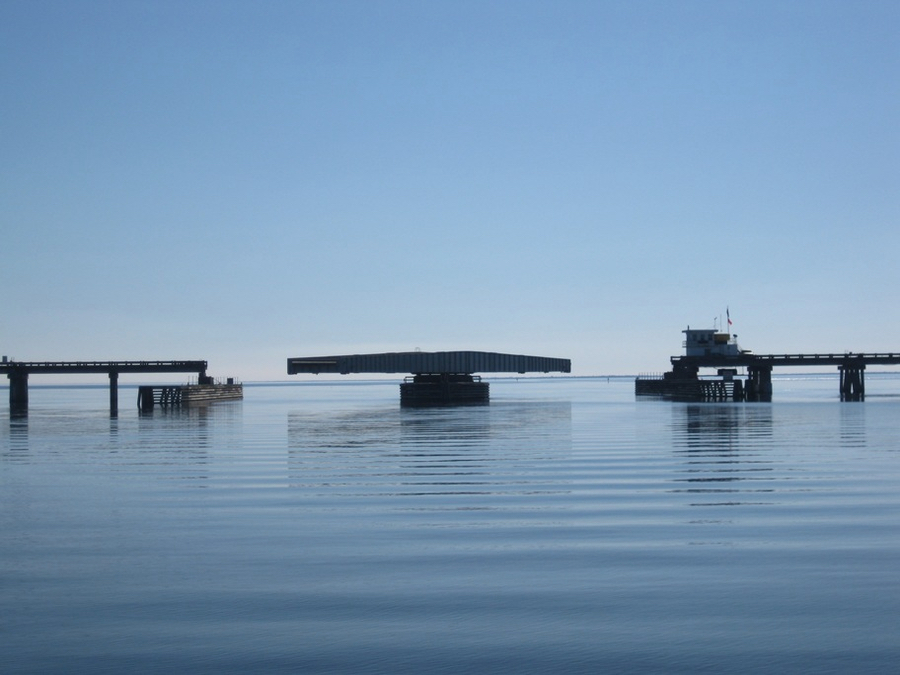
column 728, row 316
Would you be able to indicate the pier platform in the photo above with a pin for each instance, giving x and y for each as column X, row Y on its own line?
column 168, row 396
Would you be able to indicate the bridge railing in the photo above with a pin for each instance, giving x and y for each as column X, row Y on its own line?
column 24, row 367
column 812, row 359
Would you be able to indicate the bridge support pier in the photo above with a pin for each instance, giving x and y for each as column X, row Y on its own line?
column 113, row 394
column 18, row 393
column 853, row 382
column 443, row 389
column 145, row 400
column 759, row 383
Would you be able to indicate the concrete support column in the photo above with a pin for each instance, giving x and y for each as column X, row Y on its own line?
column 113, row 394
column 853, row 382
column 759, row 383
column 443, row 389
column 145, row 399
column 18, row 393
column 766, row 384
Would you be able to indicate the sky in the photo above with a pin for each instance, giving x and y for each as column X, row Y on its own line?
column 244, row 182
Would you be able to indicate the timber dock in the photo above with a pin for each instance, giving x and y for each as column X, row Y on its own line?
column 150, row 396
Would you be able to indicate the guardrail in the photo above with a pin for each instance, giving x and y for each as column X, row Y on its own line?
column 103, row 366
column 846, row 358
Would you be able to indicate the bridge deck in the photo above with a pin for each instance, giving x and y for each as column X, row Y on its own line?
column 771, row 360
column 18, row 373
column 55, row 367
column 428, row 363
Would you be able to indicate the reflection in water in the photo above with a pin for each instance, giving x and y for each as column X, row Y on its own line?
column 177, row 441
column 524, row 536
column 18, row 440
column 725, row 448
column 721, row 427
column 431, row 428
column 184, row 438
column 428, row 451
column 853, row 426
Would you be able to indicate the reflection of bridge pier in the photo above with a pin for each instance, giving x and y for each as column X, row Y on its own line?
column 439, row 378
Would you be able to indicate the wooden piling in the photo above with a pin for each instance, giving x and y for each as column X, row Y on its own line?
column 113, row 394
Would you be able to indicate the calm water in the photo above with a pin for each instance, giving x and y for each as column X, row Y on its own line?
column 566, row 527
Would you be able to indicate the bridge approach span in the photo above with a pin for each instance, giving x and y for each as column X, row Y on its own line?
column 51, row 367
column 851, row 366
column 18, row 372
column 749, row 359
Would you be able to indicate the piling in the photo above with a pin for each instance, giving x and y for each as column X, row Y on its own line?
column 853, row 382
column 18, row 392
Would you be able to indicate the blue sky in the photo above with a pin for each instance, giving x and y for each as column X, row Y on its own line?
column 248, row 181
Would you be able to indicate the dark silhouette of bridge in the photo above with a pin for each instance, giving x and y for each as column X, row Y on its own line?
column 683, row 379
column 18, row 373
column 437, row 378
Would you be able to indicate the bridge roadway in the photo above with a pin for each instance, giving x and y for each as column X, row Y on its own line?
column 439, row 378
column 852, row 366
column 18, row 372
column 464, row 362
column 749, row 359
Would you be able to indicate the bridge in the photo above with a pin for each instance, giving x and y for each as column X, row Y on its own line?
column 851, row 365
column 437, row 378
column 19, row 371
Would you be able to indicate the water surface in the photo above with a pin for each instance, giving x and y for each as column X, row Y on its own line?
column 566, row 527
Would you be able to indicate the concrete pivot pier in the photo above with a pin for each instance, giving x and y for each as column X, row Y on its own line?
column 19, row 371
column 445, row 389
column 438, row 378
